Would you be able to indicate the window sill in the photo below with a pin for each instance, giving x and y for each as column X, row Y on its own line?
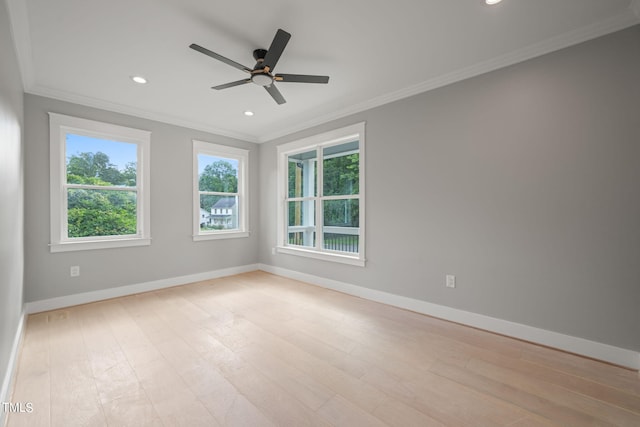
column 221, row 235
column 97, row 244
column 324, row 256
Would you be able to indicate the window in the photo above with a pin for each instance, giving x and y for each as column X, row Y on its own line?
column 219, row 191
column 321, row 193
column 99, row 185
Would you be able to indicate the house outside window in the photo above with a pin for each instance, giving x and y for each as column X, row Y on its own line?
column 99, row 185
column 321, row 196
column 219, row 191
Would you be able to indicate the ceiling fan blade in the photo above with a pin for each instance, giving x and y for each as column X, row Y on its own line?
column 301, row 78
column 220, row 57
column 232, row 84
column 275, row 94
column 275, row 50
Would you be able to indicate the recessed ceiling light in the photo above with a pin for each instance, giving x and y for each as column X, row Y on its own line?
column 248, row 113
column 139, row 79
column 492, row 1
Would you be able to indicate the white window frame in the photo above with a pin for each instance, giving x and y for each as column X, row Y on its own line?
column 59, row 126
column 242, row 156
column 318, row 142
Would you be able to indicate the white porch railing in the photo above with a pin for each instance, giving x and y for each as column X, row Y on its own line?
column 343, row 239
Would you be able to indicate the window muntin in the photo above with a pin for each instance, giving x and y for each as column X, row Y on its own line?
column 99, row 185
column 321, row 185
column 219, row 191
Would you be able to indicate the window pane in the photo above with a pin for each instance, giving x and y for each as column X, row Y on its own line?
column 341, row 225
column 302, row 174
column 95, row 161
column 341, row 173
column 342, row 213
column 301, row 227
column 218, row 212
column 101, row 213
column 217, row 174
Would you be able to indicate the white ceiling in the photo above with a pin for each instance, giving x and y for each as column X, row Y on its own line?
column 375, row 51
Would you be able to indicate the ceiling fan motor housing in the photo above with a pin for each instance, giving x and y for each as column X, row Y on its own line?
column 259, row 55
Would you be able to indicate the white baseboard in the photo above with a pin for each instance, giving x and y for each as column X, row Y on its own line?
column 88, row 297
column 11, row 368
column 581, row 346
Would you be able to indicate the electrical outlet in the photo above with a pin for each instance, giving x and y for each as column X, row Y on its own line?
column 450, row 281
column 74, row 271
column 273, row 251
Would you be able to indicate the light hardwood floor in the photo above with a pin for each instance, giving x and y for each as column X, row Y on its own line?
column 262, row 350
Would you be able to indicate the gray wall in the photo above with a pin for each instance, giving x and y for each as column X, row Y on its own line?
column 11, row 195
column 523, row 182
column 172, row 253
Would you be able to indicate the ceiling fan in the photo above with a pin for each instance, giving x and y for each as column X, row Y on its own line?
column 262, row 72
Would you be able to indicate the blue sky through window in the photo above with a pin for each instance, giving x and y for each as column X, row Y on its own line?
column 204, row 160
column 120, row 153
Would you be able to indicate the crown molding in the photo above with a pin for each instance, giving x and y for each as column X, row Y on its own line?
column 136, row 112
column 20, row 32
column 18, row 15
column 624, row 20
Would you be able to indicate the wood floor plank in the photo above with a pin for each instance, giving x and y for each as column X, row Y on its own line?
column 193, row 414
column 337, row 380
column 599, row 410
column 346, row 362
column 398, row 414
column 281, row 406
column 33, row 379
column 607, row 374
column 585, row 386
column 523, row 398
column 532, row 421
column 297, row 383
column 256, row 349
column 131, row 409
column 234, row 410
column 340, row 412
column 74, row 394
column 454, row 404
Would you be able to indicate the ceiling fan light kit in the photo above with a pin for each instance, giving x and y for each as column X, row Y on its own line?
column 262, row 72
column 262, row 79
